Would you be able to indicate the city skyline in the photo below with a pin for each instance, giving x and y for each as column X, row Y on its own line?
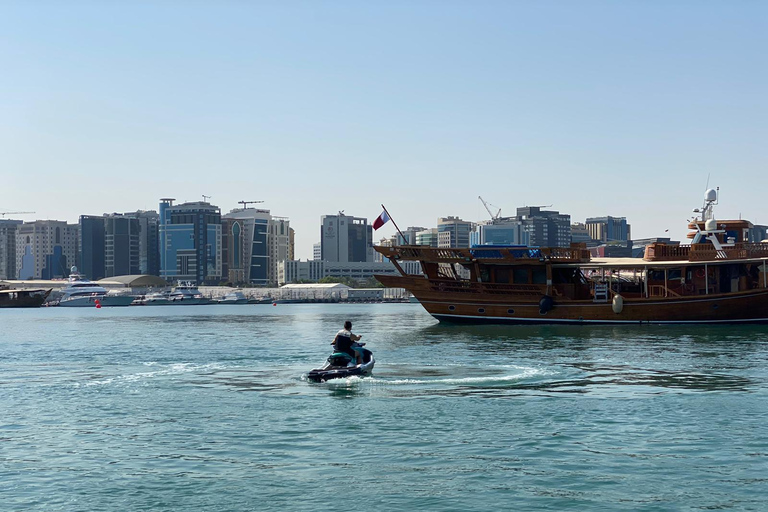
column 595, row 108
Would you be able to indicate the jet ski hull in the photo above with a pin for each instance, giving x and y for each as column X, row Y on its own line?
column 330, row 371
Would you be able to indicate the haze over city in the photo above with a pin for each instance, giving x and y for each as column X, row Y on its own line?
column 596, row 108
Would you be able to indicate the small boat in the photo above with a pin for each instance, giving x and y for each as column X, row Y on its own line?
column 12, row 298
column 184, row 294
column 80, row 292
column 340, row 365
column 234, row 297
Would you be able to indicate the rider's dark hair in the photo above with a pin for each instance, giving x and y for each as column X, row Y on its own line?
column 347, row 325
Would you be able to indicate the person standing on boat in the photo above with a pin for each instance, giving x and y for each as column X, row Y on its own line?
column 346, row 342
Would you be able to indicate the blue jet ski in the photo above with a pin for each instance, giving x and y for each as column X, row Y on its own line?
column 340, row 365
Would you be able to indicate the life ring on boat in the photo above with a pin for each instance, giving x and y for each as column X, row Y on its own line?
column 545, row 304
column 700, row 273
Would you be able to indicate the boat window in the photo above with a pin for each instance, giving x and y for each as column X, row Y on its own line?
column 481, row 310
column 502, row 275
column 520, row 275
column 485, row 275
column 511, row 311
column 673, row 273
column 451, row 308
column 539, row 276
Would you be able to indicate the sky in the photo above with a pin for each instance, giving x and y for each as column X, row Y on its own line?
column 623, row 108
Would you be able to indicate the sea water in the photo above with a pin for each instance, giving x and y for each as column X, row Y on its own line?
column 208, row 408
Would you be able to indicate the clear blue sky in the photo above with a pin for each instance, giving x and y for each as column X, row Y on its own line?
column 598, row 108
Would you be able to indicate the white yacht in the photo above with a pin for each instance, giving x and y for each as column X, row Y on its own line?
column 234, row 297
column 81, row 292
column 184, row 294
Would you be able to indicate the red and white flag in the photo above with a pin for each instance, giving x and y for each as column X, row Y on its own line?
column 381, row 220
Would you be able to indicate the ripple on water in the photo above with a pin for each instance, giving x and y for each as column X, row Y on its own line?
column 152, row 409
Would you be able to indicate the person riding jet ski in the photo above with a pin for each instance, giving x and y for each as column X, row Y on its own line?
column 348, row 360
column 346, row 342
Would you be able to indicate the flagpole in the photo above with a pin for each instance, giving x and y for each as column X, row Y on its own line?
column 395, row 224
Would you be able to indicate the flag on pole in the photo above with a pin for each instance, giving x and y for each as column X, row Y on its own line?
column 381, row 220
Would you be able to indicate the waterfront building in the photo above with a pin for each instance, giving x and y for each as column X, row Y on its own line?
column 118, row 244
column 608, row 229
column 149, row 240
column 254, row 242
column 291, row 244
column 297, row 271
column 544, row 228
column 280, row 246
column 580, row 234
column 408, row 236
column 190, row 242
column 92, row 247
column 313, row 271
column 245, row 242
column 46, row 249
column 8, row 229
column 453, row 232
column 344, row 239
column 503, row 231
column 385, row 242
column 427, row 237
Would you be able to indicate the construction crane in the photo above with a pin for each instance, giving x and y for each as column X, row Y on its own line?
column 488, row 207
column 246, row 203
column 15, row 213
column 205, row 198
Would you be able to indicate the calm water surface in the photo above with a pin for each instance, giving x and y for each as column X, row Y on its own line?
column 208, row 408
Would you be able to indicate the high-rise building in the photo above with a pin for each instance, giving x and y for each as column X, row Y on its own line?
column 149, row 241
column 121, row 246
column 280, row 246
column 254, row 242
column 544, row 228
column 503, row 231
column 453, row 232
column 609, row 229
column 190, row 242
column 116, row 245
column 46, row 249
column 427, row 237
column 580, row 234
column 92, row 246
column 408, row 236
column 8, row 229
column 344, row 239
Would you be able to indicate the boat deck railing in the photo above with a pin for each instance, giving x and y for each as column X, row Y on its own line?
column 705, row 252
column 574, row 254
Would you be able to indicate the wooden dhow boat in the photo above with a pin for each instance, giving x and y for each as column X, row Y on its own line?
column 23, row 298
column 719, row 278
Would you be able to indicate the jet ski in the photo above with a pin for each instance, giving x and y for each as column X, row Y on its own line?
column 340, row 365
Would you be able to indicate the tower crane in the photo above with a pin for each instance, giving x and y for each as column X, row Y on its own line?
column 205, row 198
column 15, row 213
column 246, row 203
column 488, row 208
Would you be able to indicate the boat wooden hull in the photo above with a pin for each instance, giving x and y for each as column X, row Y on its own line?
column 471, row 303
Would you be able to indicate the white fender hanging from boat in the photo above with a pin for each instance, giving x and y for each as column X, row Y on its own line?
column 617, row 304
